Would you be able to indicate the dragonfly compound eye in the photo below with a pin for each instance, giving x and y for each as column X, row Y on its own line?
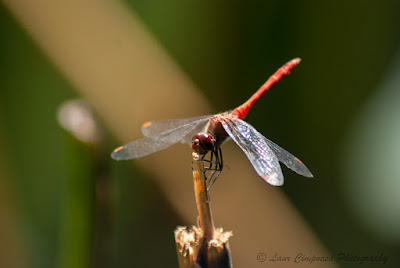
column 202, row 143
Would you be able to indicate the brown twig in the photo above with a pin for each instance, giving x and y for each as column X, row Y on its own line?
column 202, row 200
column 202, row 246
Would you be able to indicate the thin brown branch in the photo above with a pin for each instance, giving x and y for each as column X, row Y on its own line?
column 202, row 246
column 202, row 200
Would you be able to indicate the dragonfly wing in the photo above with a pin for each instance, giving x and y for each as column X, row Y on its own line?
column 154, row 143
column 152, row 128
column 256, row 149
column 289, row 160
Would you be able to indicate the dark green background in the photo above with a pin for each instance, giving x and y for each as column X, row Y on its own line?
column 228, row 49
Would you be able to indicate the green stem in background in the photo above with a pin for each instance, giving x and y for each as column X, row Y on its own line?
column 86, row 220
column 77, row 206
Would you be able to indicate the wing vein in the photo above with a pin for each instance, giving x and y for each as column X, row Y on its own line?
column 157, row 142
column 256, row 149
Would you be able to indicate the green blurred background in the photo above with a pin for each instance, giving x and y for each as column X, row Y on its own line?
column 341, row 113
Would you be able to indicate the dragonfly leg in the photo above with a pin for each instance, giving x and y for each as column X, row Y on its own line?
column 210, row 167
column 216, row 169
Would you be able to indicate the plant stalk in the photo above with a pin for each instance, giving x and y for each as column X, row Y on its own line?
column 202, row 246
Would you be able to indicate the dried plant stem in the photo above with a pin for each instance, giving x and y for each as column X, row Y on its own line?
column 202, row 200
column 202, row 246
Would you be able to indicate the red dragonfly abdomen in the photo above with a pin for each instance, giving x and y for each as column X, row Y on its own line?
column 242, row 110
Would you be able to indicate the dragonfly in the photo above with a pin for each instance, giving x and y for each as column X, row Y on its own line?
column 207, row 133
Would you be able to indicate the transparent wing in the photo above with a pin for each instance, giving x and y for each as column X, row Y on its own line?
column 155, row 127
column 289, row 160
column 256, row 149
column 199, row 128
column 155, row 143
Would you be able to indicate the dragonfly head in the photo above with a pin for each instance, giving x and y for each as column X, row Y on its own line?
column 202, row 143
